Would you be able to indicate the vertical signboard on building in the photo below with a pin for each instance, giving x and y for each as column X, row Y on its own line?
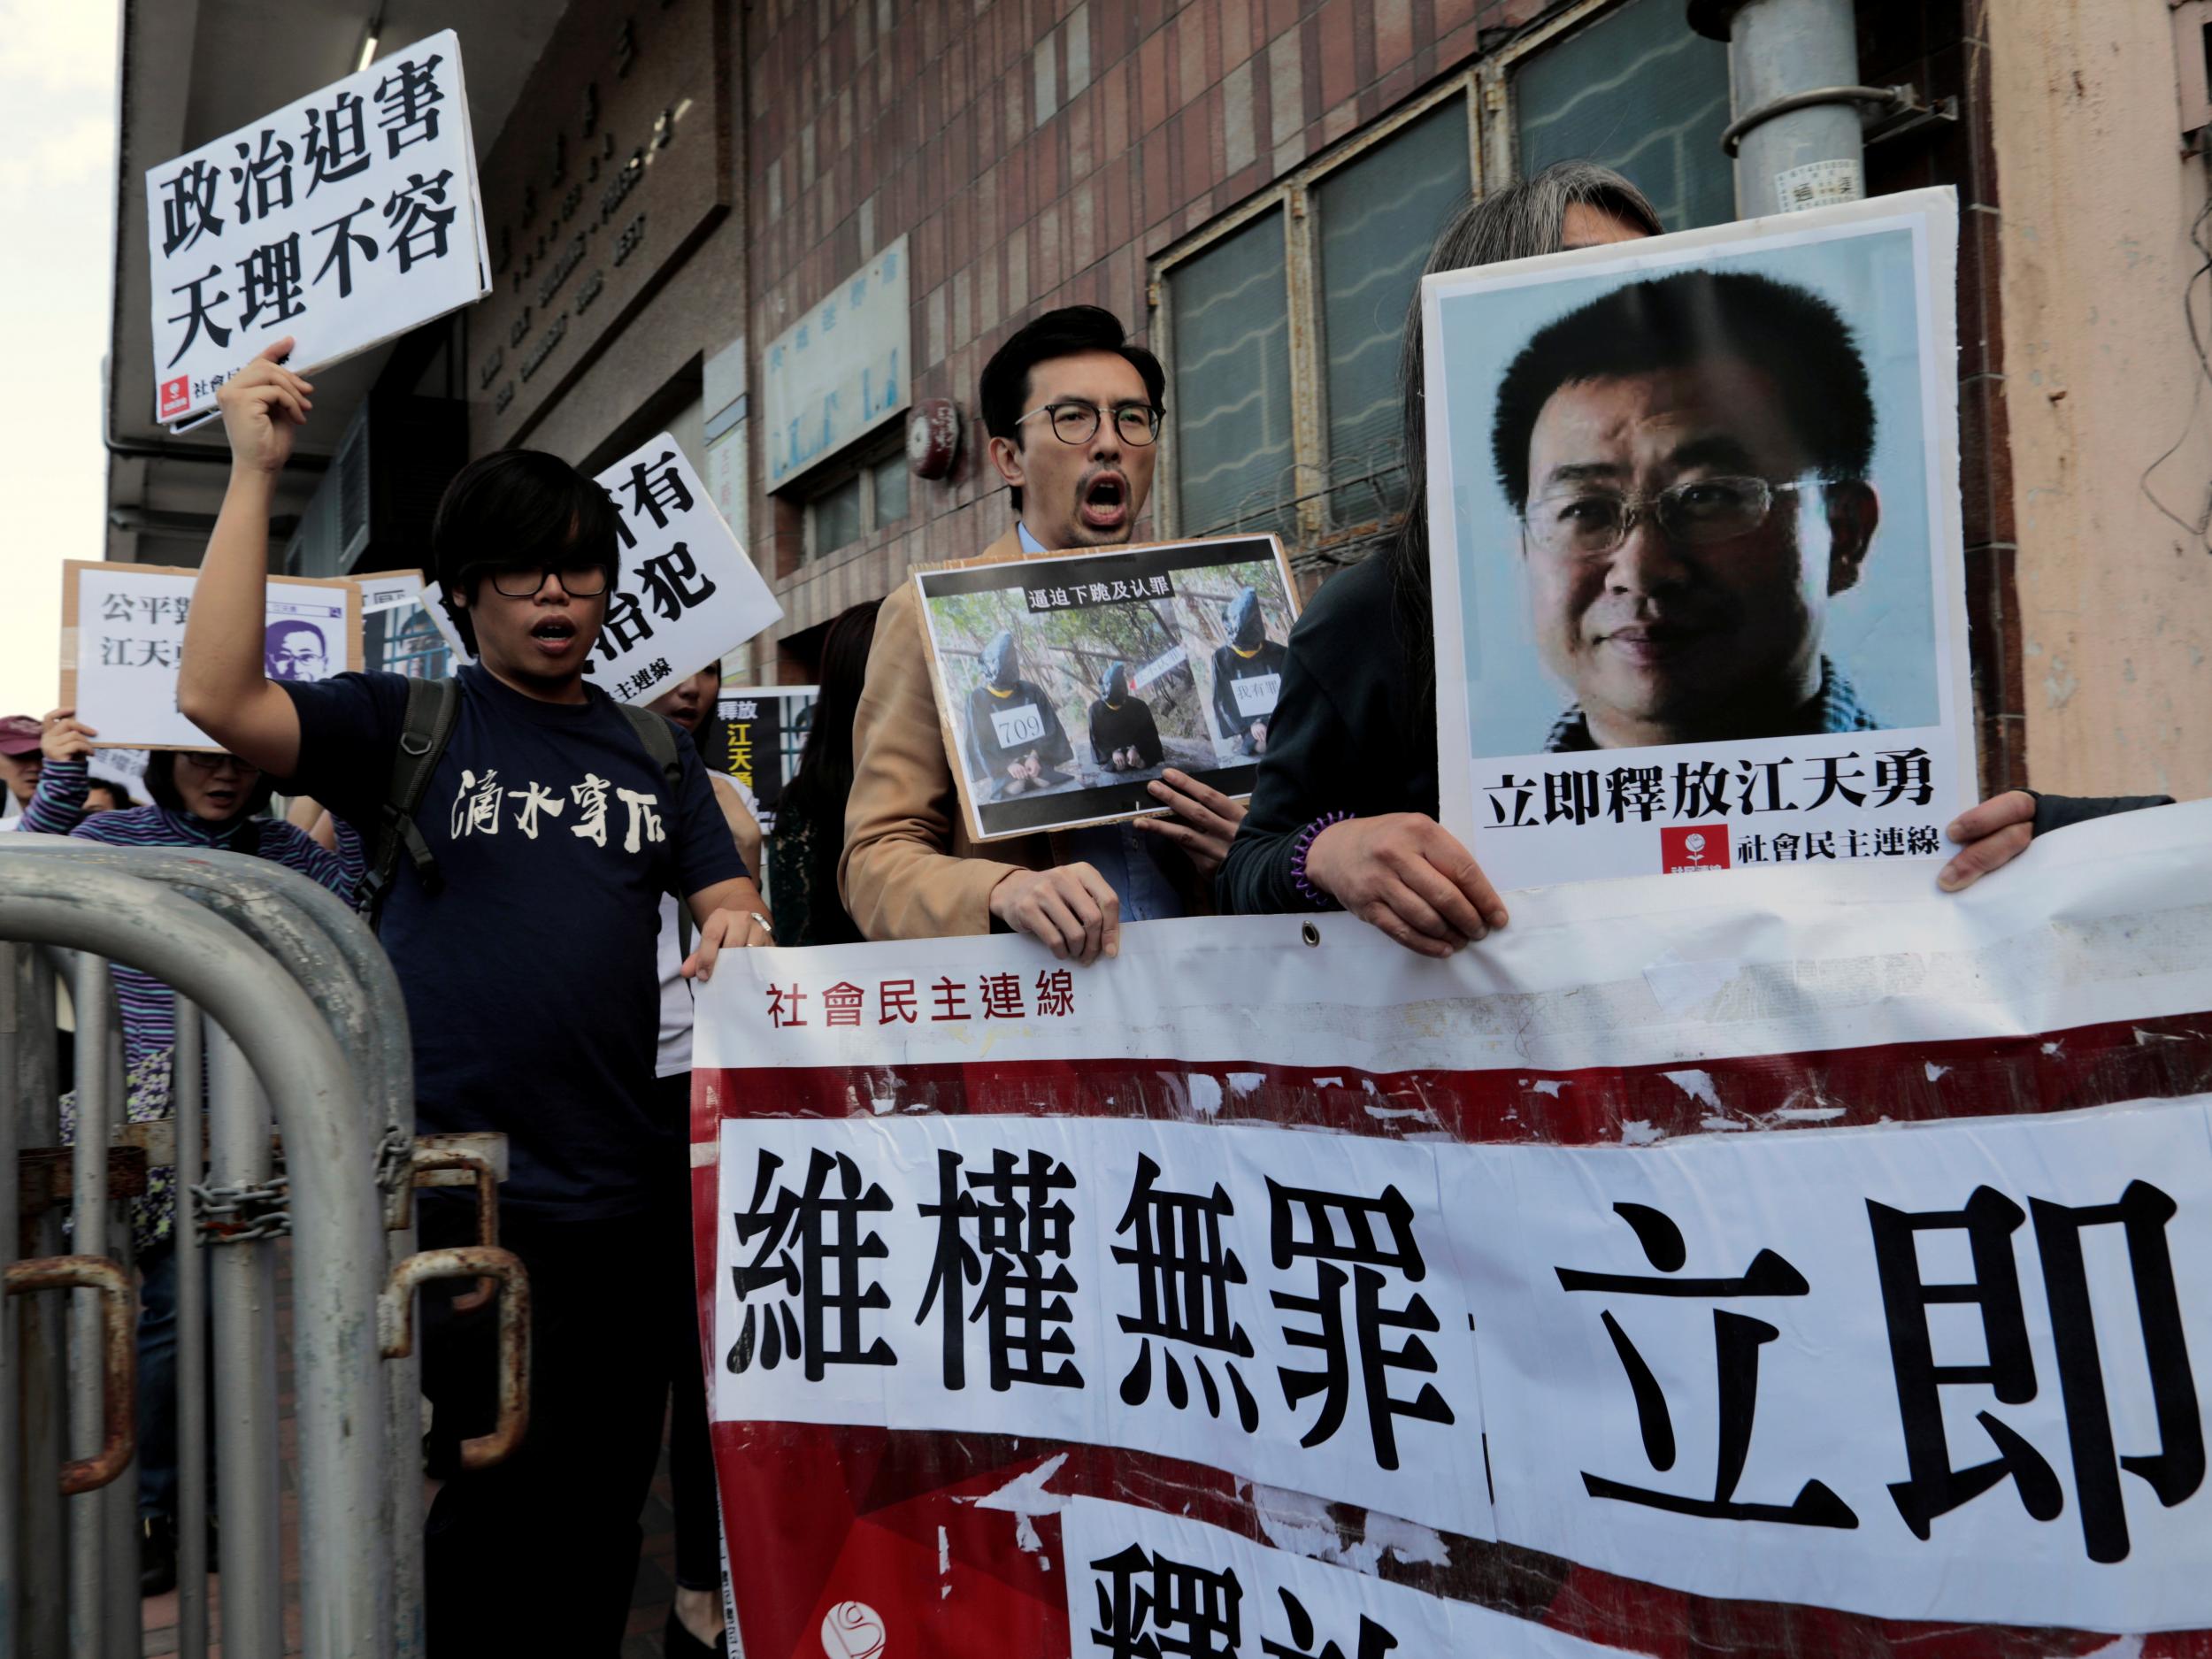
column 841, row 370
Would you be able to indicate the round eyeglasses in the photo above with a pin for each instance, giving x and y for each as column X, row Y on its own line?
column 1136, row 424
column 1591, row 522
column 578, row 581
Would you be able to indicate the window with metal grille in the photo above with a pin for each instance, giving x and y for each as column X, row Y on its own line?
column 1282, row 323
column 1642, row 93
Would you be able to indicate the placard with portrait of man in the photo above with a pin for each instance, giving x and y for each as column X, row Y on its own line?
column 1695, row 548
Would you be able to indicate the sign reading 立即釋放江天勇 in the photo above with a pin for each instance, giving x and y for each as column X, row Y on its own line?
column 841, row 370
column 342, row 219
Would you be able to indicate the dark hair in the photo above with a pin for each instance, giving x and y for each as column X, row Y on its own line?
column 116, row 793
column 161, row 783
column 816, row 795
column 1062, row 333
column 1518, row 222
column 515, row 509
column 1692, row 317
column 825, row 777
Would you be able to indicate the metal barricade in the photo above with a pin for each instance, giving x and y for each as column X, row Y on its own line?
column 302, row 1012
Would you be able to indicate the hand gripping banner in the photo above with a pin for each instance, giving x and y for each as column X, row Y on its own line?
column 1806, row 1264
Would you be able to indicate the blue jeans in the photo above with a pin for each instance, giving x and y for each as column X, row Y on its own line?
column 157, row 1383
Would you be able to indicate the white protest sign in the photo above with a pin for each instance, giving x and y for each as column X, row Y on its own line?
column 342, row 219
column 123, row 641
column 688, row 594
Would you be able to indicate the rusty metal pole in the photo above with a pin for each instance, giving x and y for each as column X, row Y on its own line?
column 338, row 1247
column 11, row 1040
column 185, row 1079
column 40, row 1563
column 89, row 1218
column 326, row 949
column 243, row 1277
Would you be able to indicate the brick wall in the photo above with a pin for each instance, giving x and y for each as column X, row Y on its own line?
column 1037, row 154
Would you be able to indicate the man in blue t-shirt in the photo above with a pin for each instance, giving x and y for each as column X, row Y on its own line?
column 528, row 966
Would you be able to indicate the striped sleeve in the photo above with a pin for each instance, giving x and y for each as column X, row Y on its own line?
column 57, row 806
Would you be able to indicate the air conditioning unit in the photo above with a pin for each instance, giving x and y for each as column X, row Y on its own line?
column 373, row 509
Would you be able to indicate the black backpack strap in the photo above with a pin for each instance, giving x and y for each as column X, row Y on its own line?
column 659, row 738
column 432, row 706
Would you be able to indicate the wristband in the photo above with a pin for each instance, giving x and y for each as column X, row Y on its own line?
column 1303, row 845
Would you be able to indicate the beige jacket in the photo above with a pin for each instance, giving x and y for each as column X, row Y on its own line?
column 909, row 870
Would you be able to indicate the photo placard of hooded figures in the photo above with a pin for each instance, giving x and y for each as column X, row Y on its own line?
column 1066, row 684
column 122, row 638
column 1695, row 548
column 344, row 218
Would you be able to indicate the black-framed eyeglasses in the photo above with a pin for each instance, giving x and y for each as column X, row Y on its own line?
column 1591, row 522
column 210, row 764
column 523, row 581
column 1074, row 421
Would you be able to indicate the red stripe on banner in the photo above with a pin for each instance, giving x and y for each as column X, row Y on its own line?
column 850, row 1525
column 2087, row 1065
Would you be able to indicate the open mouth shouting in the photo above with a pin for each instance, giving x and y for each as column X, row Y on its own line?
column 1104, row 503
column 554, row 637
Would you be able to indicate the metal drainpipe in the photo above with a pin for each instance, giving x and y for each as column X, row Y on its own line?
column 1779, row 50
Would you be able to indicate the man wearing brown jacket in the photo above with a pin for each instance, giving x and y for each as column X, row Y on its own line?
column 1073, row 411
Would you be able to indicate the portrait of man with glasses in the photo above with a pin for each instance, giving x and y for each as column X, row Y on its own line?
column 1689, row 460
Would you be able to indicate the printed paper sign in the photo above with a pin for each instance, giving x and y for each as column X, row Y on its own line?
column 1695, row 547
column 1774, row 1224
column 1255, row 697
column 1066, row 684
column 123, row 641
column 400, row 630
column 688, row 594
column 342, row 219
column 756, row 736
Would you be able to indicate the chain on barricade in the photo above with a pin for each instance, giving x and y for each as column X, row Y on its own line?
column 243, row 1213
column 394, row 1160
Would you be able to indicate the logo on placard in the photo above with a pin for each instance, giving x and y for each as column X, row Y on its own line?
column 852, row 1630
column 1694, row 847
column 176, row 395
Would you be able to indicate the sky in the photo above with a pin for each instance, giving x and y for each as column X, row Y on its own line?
column 58, row 65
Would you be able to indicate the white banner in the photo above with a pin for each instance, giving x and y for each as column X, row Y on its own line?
column 1306, row 1229
column 689, row 593
column 123, row 641
column 1274, row 1302
column 1135, row 1575
column 342, row 219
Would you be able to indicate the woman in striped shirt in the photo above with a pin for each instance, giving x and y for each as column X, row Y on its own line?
column 199, row 800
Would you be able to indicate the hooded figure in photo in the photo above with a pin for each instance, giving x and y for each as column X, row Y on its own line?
column 1016, row 741
column 1123, row 737
column 1248, row 675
